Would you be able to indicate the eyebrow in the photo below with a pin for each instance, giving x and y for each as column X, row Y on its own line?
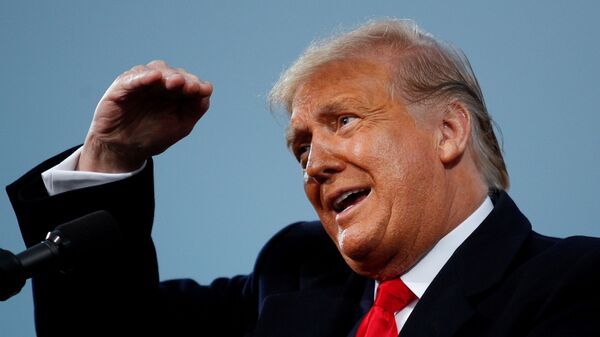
column 291, row 133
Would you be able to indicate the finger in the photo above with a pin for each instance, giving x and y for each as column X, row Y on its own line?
column 180, row 78
column 203, row 105
column 195, row 86
column 157, row 64
column 206, row 88
column 173, row 78
column 191, row 85
column 170, row 71
column 140, row 79
column 194, row 77
column 138, row 69
column 174, row 81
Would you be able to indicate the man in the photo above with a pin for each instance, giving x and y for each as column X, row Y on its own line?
column 403, row 168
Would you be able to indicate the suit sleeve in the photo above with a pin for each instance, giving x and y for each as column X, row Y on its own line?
column 119, row 293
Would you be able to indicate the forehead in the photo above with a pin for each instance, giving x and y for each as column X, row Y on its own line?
column 337, row 84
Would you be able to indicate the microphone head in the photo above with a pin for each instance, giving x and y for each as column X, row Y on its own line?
column 87, row 237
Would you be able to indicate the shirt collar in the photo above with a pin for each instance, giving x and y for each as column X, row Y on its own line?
column 420, row 276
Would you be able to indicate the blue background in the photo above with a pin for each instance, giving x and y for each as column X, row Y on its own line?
column 224, row 190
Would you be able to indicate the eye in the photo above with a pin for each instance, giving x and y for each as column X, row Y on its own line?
column 345, row 120
column 302, row 154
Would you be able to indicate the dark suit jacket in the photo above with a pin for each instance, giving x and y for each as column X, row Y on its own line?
column 504, row 280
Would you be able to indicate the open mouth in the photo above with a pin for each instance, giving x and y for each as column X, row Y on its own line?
column 349, row 199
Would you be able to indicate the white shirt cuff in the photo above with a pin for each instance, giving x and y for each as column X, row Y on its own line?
column 63, row 177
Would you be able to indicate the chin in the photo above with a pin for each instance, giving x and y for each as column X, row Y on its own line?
column 362, row 259
column 356, row 244
column 369, row 259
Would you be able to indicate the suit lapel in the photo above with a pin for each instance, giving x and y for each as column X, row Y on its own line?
column 366, row 302
column 477, row 265
column 439, row 316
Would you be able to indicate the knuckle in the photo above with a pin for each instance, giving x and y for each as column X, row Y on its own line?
column 157, row 63
column 139, row 67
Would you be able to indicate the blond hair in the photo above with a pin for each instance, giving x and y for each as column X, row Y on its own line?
column 424, row 70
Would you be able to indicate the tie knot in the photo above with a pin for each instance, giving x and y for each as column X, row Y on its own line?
column 393, row 295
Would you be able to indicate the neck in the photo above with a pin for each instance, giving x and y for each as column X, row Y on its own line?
column 466, row 190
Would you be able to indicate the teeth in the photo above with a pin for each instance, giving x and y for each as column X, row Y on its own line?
column 338, row 203
column 343, row 196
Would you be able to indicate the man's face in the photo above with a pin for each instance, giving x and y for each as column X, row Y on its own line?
column 372, row 175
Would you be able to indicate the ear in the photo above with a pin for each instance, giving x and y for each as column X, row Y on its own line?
column 454, row 132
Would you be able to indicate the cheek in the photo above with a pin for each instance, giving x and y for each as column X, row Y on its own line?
column 312, row 194
column 370, row 149
column 407, row 156
column 382, row 155
column 314, row 197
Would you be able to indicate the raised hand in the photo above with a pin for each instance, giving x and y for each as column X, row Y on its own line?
column 145, row 110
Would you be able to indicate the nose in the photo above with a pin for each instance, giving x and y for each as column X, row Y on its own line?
column 323, row 162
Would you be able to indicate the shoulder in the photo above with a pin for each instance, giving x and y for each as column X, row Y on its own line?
column 298, row 244
column 576, row 253
column 557, row 286
column 299, row 253
column 557, row 250
column 557, row 273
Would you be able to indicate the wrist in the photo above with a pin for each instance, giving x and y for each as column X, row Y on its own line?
column 101, row 157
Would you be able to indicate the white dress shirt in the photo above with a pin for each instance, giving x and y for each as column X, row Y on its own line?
column 63, row 177
column 420, row 276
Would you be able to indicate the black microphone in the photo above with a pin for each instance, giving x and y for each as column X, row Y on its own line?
column 65, row 248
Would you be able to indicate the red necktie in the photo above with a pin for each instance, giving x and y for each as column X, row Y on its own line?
column 392, row 296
